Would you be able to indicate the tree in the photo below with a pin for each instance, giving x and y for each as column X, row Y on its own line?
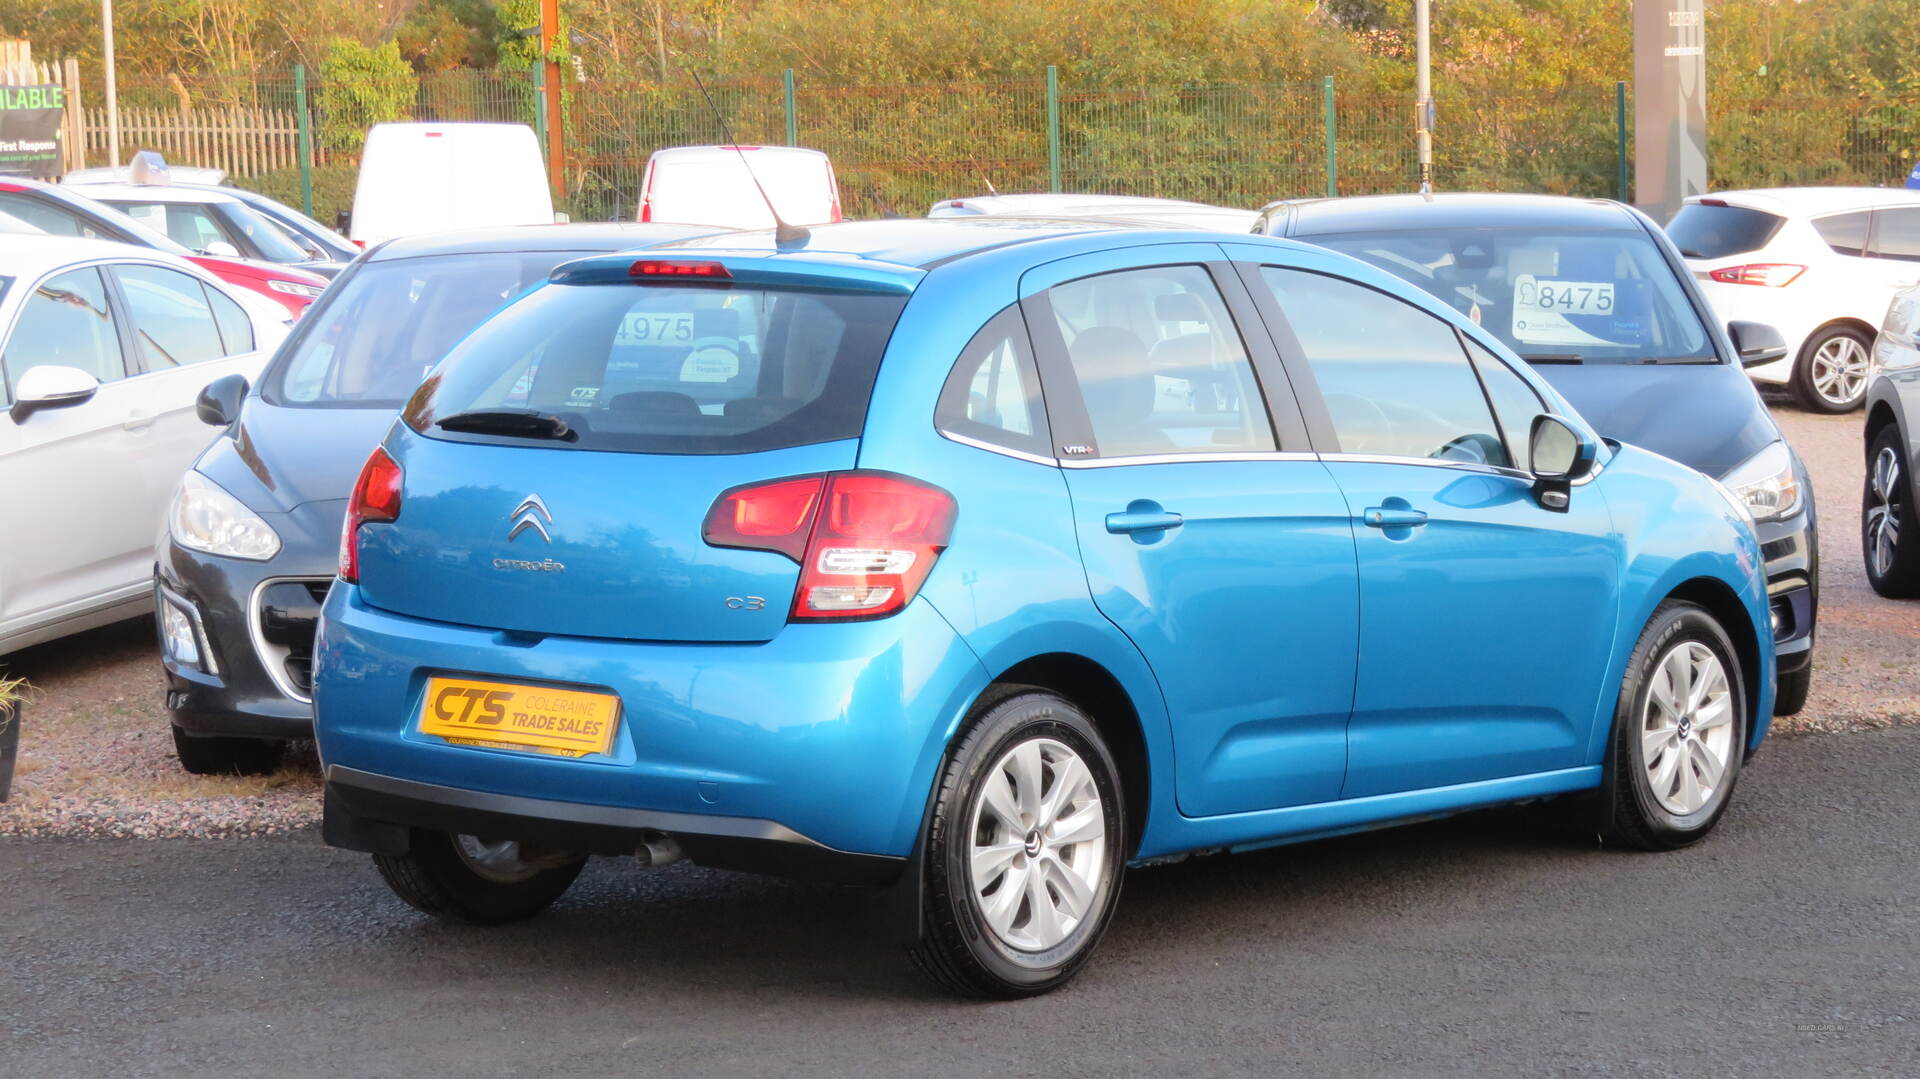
column 360, row 87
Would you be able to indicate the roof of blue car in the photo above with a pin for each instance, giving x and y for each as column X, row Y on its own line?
column 918, row 242
column 1390, row 213
column 597, row 236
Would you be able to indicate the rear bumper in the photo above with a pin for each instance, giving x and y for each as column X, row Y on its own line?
column 830, row 733
column 375, row 813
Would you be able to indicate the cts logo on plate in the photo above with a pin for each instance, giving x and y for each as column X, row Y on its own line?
column 505, row 715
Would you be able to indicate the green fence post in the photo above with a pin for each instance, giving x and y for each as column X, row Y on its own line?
column 540, row 104
column 1333, row 161
column 1053, row 128
column 1620, row 136
column 306, row 138
column 793, row 116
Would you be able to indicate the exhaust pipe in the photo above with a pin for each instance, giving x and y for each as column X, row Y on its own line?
column 657, row 849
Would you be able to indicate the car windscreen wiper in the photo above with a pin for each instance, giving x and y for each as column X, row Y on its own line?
column 1683, row 359
column 1552, row 357
column 518, row 422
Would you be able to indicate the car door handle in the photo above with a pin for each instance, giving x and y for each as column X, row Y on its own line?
column 138, row 419
column 1142, row 520
column 1383, row 517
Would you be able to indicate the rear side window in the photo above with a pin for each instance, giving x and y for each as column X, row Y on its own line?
column 173, row 323
column 1703, row 230
column 1159, row 364
column 993, row 392
column 668, row 368
column 1394, row 378
column 1845, row 233
column 1896, row 234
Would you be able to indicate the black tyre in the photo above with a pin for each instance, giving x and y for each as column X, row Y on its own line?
column 1833, row 369
column 216, row 755
column 463, row 878
column 1025, row 849
column 1680, row 730
column 1790, row 691
column 1889, row 538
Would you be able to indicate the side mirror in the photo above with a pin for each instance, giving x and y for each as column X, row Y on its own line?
column 221, row 249
column 1756, row 343
column 1560, row 456
column 51, row 386
column 343, row 221
column 219, row 402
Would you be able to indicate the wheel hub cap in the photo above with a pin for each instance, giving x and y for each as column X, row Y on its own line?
column 1038, row 863
column 1884, row 486
column 1841, row 368
column 1686, row 729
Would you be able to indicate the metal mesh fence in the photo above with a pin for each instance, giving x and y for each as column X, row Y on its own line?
column 897, row 149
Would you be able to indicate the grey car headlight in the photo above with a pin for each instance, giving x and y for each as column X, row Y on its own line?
column 204, row 517
column 1766, row 483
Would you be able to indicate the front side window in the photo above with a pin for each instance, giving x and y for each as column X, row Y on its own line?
column 269, row 239
column 993, row 392
column 665, row 368
column 1514, row 403
column 1160, row 365
column 66, row 323
column 188, row 225
column 1553, row 296
column 173, row 323
column 1393, row 377
column 48, row 219
column 1896, row 234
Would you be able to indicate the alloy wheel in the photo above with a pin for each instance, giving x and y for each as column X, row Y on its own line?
column 1039, row 853
column 1883, row 514
column 1686, row 730
column 1841, row 368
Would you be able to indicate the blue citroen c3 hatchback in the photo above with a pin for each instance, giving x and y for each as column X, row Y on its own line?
column 984, row 559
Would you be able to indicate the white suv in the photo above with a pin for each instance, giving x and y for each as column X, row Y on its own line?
column 1819, row 263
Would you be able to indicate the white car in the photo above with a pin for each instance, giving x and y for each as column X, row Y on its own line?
column 1820, row 264
column 210, row 221
column 432, row 177
column 1142, row 210
column 106, row 349
column 716, row 185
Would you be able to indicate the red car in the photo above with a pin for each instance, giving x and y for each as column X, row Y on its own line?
column 61, row 212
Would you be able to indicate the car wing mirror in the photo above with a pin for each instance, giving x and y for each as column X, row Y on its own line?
column 1756, row 342
column 221, row 249
column 1561, row 456
column 51, row 386
column 219, row 402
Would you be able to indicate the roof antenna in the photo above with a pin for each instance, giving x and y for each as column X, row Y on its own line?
column 784, row 235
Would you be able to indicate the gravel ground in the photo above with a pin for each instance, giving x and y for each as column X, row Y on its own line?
column 96, row 759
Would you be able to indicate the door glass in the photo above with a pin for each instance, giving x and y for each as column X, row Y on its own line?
column 1160, row 365
column 1896, row 234
column 1393, row 377
column 188, row 225
column 993, row 393
column 171, row 318
column 66, row 322
column 1845, row 233
column 1514, row 402
column 236, row 329
column 48, row 219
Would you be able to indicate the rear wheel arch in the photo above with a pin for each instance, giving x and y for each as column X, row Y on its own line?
column 1846, row 322
column 1718, row 599
column 1097, row 692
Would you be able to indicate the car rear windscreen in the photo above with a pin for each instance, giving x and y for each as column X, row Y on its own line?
column 381, row 327
column 644, row 368
column 1706, row 231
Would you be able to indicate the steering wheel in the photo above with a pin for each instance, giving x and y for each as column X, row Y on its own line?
column 1360, row 414
column 1477, row 448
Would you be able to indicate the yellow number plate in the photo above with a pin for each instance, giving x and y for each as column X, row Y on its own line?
column 566, row 722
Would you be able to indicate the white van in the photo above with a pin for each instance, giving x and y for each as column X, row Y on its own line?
column 418, row 178
column 711, row 185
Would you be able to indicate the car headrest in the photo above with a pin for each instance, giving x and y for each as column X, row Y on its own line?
column 1115, row 373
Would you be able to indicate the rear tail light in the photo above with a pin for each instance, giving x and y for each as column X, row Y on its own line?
column 865, row 541
column 646, row 194
column 833, row 189
column 1774, row 274
column 376, row 497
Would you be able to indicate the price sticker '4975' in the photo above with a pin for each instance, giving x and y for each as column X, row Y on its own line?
column 1564, row 297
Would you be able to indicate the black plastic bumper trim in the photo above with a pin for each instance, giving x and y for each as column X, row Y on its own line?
column 371, row 812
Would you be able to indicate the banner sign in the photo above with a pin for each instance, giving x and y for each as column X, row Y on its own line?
column 30, row 120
